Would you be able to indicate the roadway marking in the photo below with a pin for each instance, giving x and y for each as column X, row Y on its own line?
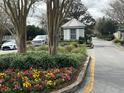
column 89, row 86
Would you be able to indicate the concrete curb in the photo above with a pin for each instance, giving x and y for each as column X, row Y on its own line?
column 71, row 88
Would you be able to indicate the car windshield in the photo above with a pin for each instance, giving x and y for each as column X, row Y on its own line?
column 10, row 42
column 39, row 37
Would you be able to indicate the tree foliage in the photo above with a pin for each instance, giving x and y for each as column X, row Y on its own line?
column 77, row 9
column 116, row 11
column 106, row 26
column 32, row 31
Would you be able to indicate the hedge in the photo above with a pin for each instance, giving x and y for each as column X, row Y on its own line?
column 40, row 60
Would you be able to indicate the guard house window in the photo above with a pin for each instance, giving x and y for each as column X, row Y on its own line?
column 73, row 34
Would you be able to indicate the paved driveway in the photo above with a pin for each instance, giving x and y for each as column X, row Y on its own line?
column 109, row 69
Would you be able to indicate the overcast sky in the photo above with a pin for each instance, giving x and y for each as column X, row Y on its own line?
column 96, row 7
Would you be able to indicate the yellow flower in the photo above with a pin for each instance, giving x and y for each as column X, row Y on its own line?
column 51, row 83
column 2, row 74
column 26, row 84
column 36, row 74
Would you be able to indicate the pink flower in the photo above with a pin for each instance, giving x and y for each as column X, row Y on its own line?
column 68, row 77
column 17, row 87
column 1, row 80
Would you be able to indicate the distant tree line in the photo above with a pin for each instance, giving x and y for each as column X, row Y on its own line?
column 106, row 27
column 32, row 31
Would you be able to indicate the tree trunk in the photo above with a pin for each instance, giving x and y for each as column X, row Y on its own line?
column 21, row 39
column 52, row 43
column 1, row 37
column 53, row 24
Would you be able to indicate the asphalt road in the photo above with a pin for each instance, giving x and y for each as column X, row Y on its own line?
column 109, row 68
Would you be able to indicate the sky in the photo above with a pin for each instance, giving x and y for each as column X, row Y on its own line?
column 95, row 8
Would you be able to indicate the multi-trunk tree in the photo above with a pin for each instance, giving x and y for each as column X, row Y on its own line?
column 17, row 11
column 57, row 10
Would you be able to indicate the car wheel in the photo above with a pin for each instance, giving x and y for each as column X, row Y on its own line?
column 14, row 48
column 5, row 49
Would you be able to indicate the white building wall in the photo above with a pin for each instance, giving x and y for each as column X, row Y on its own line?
column 80, row 33
column 77, row 34
column 66, row 34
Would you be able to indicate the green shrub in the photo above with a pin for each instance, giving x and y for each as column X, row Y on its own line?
column 5, row 61
column 28, row 42
column 77, row 50
column 40, row 60
column 116, row 41
column 42, row 47
column 30, row 48
column 82, row 40
column 75, row 44
column 122, row 42
column 61, row 49
column 64, row 43
column 68, row 60
column 69, row 48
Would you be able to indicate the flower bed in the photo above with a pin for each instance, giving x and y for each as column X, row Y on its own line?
column 34, row 80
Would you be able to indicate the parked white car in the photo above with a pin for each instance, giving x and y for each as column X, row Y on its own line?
column 9, row 45
column 40, row 40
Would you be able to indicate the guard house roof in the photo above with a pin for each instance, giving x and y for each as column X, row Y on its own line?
column 74, row 23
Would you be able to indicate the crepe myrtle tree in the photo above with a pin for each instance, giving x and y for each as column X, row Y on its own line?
column 17, row 11
column 77, row 8
column 56, row 12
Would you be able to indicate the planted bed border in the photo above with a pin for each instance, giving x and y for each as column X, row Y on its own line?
column 74, row 86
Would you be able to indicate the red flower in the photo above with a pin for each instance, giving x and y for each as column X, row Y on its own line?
column 26, row 72
column 31, row 68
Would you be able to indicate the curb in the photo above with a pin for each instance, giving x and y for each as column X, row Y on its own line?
column 73, row 87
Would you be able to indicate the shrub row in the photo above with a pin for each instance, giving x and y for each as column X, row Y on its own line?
column 119, row 41
column 40, row 60
column 74, row 47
